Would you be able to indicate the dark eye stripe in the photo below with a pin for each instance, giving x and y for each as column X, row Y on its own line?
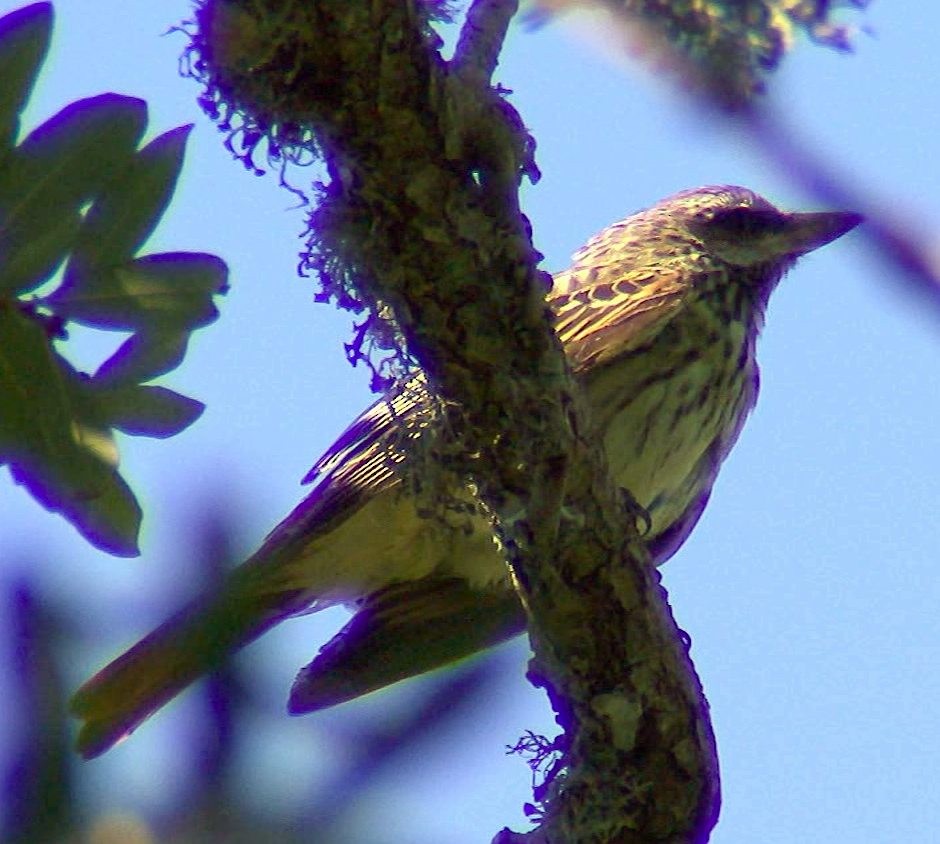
column 747, row 219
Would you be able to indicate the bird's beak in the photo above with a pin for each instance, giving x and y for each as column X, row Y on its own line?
column 806, row 232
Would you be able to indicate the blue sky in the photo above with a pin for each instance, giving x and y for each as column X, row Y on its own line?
column 810, row 587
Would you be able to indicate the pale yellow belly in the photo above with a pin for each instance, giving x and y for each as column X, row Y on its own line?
column 382, row 542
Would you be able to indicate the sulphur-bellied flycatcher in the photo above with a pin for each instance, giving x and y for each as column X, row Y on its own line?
column 658, row 315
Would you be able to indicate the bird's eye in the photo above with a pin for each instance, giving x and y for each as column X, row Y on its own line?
column 747, row 220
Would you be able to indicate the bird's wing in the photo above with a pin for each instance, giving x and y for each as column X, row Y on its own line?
column 356, row 469
column 362, row 462
column 600, row 315
column 604, row 313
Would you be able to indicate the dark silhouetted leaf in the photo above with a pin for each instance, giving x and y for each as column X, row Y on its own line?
column 24, row 42
column 35, row 256
column 51, row 436
column 77, row 191
column 130, row 207
column 170, row 289
column 143, row 356
column 34, row 407
column 59, row 167
column 150, row 411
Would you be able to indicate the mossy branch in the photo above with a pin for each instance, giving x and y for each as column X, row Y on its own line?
column 420, row 222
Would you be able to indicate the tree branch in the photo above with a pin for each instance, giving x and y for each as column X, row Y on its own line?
column 422, row 217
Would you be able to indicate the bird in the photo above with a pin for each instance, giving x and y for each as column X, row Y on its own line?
column 658, row 316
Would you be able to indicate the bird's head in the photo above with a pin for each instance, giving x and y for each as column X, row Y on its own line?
column 725, row 247
column 741, row 228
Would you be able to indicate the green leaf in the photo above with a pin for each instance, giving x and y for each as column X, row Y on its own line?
column 77, row 189
column 24, row 42
column 143, row 356
column 71, row 156
column 52, row 437
column 130, row 207
column 105, row 512
column 60, row 166
column 170, row 289
column 34, row 406
column 150, row 411
column 35, row 257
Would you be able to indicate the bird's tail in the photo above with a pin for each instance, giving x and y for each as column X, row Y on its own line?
column 195, row 641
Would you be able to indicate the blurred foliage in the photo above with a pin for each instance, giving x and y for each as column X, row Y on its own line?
column 49, row 797
column 36, row 783
column 725, row 48
column 77, row 193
